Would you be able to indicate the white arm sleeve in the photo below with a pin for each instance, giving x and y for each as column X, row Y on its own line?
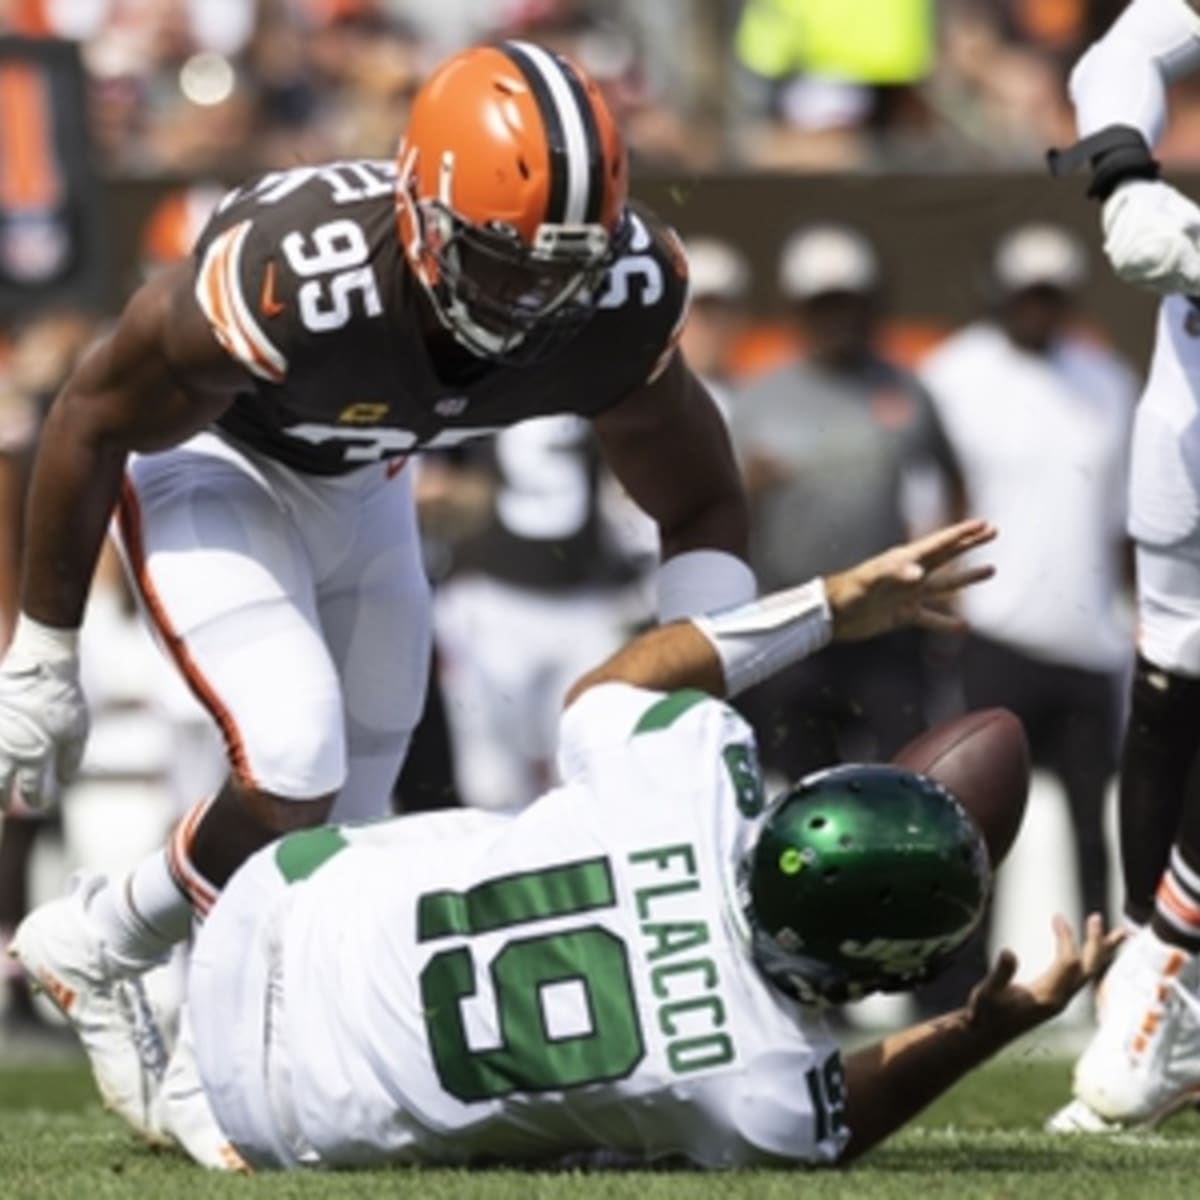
column 1122, row 79
column 702, row 581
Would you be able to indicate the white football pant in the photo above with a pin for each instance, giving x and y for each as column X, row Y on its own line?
column 296, row 607
column 1164, row 497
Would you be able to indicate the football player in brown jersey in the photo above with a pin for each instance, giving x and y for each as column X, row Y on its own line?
column 249, row 418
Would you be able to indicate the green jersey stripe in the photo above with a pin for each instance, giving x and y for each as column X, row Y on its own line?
column 530, row 896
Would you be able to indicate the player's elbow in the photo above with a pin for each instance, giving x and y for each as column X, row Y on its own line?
column 80, row 416
column 87, row 418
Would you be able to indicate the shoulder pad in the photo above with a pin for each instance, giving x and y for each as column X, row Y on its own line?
column 652, row 277
column 269, row 240
column 220, row 290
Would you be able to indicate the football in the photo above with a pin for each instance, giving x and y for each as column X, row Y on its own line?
column 983, row 759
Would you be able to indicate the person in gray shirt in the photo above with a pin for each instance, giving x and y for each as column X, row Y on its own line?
column 843, row 455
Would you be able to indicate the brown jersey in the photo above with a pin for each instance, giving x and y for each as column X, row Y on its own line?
column 302, row 277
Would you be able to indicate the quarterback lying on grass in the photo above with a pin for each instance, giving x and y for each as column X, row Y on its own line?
column 635, row 967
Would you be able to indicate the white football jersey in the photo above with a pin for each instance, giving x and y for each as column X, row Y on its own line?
column 466, row 987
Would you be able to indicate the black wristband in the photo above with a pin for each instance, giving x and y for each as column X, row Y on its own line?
column 1115, row 154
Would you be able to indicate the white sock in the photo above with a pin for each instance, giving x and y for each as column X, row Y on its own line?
column 143, row 915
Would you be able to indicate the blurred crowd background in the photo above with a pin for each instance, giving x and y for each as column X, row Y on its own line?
column 901, row 317
column 232, row 85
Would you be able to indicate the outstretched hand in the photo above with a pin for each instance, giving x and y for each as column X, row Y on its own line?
column 913, row 584
column 1001, row 1005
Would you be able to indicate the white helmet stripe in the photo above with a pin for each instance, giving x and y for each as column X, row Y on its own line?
column 574, row 134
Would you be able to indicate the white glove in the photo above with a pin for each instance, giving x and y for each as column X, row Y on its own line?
column 43, row 715
column 1152, row 237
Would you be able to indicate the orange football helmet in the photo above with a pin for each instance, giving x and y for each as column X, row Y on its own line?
column 511, row 198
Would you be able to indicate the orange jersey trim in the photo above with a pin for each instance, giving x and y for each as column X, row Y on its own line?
column 219, row 293
column 268, row 304
column 129, row 521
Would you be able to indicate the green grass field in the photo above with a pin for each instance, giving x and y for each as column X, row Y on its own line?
column 980, row 1141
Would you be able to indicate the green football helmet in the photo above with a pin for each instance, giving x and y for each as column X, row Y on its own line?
column 861, row 879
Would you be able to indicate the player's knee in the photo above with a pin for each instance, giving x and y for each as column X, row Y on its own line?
column 210, row 846
column 295, row 754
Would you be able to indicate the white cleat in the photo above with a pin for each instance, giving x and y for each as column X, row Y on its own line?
column 1077, row 1117
column 107, row 1007
column 1143, row 1063
column 184, row 1111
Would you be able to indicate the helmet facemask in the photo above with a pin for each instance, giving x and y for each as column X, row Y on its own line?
column 503, row 300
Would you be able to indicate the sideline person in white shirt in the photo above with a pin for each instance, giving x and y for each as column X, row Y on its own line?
column 1039, row 418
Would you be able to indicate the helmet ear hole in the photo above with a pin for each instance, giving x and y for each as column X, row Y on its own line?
column 817, row 823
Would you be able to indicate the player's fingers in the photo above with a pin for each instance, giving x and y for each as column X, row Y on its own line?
column 33, row 786
column 68, row 759
column 1186, row 265
column 1092, row 951
column 945, row 544
column 946, row 580
column 1173, row 263
column 939, row 621
column 917, row 559
column 1093, row 933
column 941, row 540
column 1001, row 975
column 47, row 790
column 904, row 569
column 1189, row 274
column 944, row 604
column 1099, row 949
column 1066, row 948
column 1111, row 944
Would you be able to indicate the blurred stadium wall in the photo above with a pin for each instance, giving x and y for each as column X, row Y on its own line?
column 934, row 233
